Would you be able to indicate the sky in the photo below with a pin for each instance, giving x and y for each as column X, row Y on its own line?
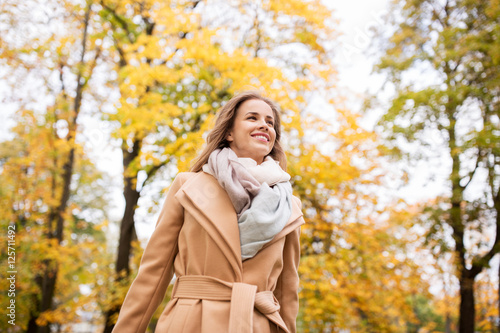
column 356, row 18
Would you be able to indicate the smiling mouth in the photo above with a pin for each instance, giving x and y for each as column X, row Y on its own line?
column 261, row 138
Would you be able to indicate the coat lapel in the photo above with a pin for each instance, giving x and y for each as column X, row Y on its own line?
column 210, row 205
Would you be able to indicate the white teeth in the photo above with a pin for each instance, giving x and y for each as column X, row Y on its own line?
column 260, row 137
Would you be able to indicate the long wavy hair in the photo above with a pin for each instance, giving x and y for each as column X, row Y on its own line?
column 224, row 123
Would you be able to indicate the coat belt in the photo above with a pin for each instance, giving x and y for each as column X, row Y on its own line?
column 243, row 296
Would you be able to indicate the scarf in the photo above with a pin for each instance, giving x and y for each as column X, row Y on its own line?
column 261, row 195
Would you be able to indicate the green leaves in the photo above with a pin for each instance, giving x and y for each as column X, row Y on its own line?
column 453, row 42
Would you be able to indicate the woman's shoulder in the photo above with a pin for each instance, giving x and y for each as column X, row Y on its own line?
column 183, row 178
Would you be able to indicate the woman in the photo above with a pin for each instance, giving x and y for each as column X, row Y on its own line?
column 229, row 230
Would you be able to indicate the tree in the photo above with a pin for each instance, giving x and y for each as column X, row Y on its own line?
column 29, row 165
column 57, row 65
column 454, row 111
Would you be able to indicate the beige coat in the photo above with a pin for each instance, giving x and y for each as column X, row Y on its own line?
column 197, row 238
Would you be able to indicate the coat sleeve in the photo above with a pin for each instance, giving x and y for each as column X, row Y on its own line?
column 156, row 268
column 287, row 286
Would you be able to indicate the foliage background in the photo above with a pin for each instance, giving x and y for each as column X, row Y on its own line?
column 144, row 97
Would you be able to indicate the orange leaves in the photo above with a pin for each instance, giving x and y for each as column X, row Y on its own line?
column 355, row 273
column 487, row 312
column 359, row 285
column 313, row 12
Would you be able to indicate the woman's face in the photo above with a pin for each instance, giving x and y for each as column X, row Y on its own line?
column 253, row 131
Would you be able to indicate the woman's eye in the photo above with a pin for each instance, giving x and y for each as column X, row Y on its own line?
column 270, row 123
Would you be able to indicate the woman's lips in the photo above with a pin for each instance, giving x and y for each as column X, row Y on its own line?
column 261, row 137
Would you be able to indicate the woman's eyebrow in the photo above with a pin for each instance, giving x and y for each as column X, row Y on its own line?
column 258, row 114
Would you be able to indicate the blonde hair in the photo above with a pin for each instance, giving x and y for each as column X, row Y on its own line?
column 216, row 139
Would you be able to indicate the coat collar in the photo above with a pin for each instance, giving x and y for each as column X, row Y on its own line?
column 210, row 205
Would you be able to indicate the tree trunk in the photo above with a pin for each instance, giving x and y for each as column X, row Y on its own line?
column 32, row 321
column 47, row 281
column 127, row 229
column 467, row 303
column 47, row 284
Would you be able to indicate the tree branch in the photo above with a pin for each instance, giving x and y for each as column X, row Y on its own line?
column 473, row 172
column 120, row 20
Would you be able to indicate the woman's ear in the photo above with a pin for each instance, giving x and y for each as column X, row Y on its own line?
column 229, row 137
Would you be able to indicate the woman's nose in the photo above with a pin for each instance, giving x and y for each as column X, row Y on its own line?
column 263, row 124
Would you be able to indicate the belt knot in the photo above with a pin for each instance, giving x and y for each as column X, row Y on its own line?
column 243, row 296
